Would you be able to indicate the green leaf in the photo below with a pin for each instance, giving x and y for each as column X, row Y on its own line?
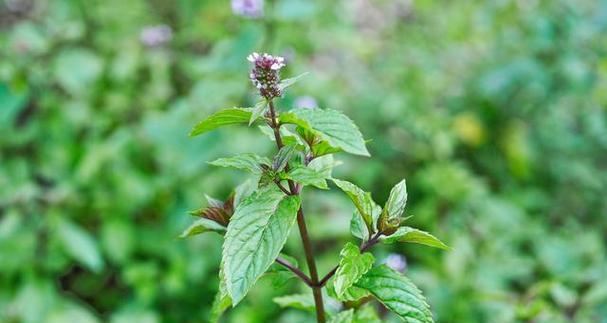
column 283, row 156
column 358, row 227
column 279, row 274
column 363, row 202
column 343, row 317
column 395, row 206
column 290, row 81
column 352, row 266
column 366, row 314
column 222, row 118
column 247, row 161
column 307, row 176
column 258, row 110
column 244, row 190
column 202, row 225
column 299, row 301
column 222, row 300
column 353, row 294
column 80, row 245
column 408, row 234
column 331, row 125
column 397, row 293
column 288, row 137
column 256, row 234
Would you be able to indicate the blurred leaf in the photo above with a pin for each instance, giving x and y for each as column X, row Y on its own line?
column 343, row 317
column 299, row 301
column 79, row 244
column 77, row 70
column 290, row 81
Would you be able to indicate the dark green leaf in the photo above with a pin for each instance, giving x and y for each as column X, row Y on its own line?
column 395, row 206
column 248, row 161
column 256, row 234
column 397, row 293
column 283, row 156
column 222, row 118
column 408, row 234
column 331, row 125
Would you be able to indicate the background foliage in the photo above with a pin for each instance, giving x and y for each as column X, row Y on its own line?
column 494, row 111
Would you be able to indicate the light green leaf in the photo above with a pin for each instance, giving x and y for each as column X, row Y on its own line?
column 307, row 176
column 408, row 234
column 395, row 206
column 299, row 301
column 363, row 202
column 290, row 81
column 331, row 125
column 397, row 293
column 279, row 274
column 247, row 161
column 352, row 266
column 354, row 293
column 202, row 225
column 80, row 245
column 288, row 137
column 258, row 110
column 222, row 118
column 256, row 234
column 283, row 156
column 343, row 317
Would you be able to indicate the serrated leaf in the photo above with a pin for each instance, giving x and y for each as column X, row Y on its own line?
column 331, row 125
column 247, row 161
column 397, row 293
column 256, row 234
column 283, row 156
column 290, row 81
column 258, row 110
column 408, row 234
column 363, row 202
column 395, row 206
column 307, row 176
column 343, row 317
column 222, row 118
column 202, row 225
column 80, row 245
column 222, row 300
column 299, row 301
column 352, row 266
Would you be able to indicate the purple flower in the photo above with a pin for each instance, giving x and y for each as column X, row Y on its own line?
column 305, row 102
column 153, row 36
column 396, row 262
column 265, row 74
column 248, row 8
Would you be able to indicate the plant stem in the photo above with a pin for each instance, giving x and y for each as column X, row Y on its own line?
column 303, row 230
column 295, row 270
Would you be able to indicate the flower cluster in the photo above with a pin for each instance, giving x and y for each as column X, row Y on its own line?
column 265, row 74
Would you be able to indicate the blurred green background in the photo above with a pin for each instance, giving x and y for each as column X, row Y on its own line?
column 494, row 111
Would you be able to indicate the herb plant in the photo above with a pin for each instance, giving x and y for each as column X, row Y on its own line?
column 257, row 217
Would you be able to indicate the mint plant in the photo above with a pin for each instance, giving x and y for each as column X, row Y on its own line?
column 257, row 217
